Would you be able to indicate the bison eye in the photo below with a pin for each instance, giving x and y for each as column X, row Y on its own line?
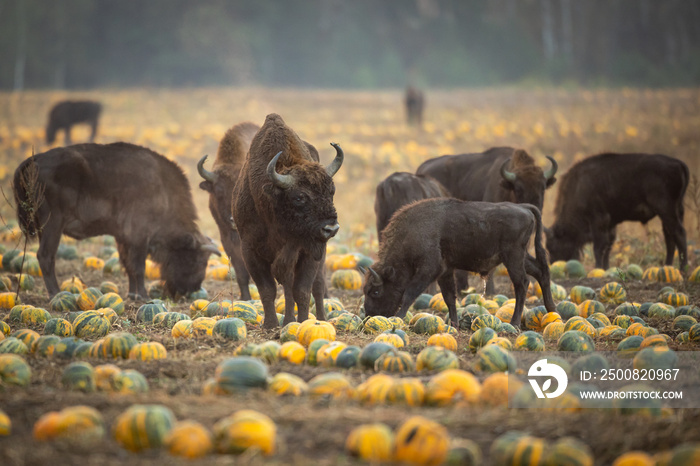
column 299, row 199
column 375, row 293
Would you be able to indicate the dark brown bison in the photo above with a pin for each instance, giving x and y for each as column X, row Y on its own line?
column 219, row 183
column 67, row 113
column 399, row 189
column 602, row 191
column 414, row 100
column 429, row 239
column 283, row 208
column 130, row 192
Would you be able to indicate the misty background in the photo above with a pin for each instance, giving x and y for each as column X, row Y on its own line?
column 83, row 44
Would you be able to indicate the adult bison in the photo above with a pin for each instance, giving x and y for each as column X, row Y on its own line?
column 130, row 192
column 219, row 183
column 429, row 239
column 399, row 189
column 67, row 113
column 283, row 208
column 414, row 101
column 600, row 192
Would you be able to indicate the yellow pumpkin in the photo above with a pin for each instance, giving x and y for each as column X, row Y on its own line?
column 392, row 339
column 495, row 389
column 293, row 352
column 203, row 327
column 94, row 263
column 288, row 384
column 189, row 439
column 327, row 354
column 312, row 329
column 245, row 429
column 148, row 351
column 452, row 386
column 634, row 458
column 103, row 376
column 182, row 329
column 444, row 340
column 371, row 442
column 421, row 441
column 406, row 390
column 346, row 280
column 375, row 389
column 331, row 384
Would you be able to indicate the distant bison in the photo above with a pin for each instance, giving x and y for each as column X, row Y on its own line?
column 219, row 183
column 130, row 192
column 414, row 100
column 67, row 113
column 283, row 208
column 600, row 192
column 399, row 189
column 429, row 239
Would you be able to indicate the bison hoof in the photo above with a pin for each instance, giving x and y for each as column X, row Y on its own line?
column 135, row 297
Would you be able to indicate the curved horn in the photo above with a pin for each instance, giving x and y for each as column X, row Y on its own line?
column 552, row 170
column 334, row 166
column 376, row 279
column 508, row 176
column 203, row 172
column 281, row 181
column 210, row 248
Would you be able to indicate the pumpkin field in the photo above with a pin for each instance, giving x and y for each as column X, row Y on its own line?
column 90, row 377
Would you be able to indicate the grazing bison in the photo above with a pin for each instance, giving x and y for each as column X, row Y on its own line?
column 414, row 101
column 67, row 113
column 429, row 239
column 219, row 183
column 283, row 208
column 399, row 189
column 602, row 191
column 130, row 192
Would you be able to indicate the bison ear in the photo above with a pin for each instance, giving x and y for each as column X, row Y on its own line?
column 551, row 181
column 505, row 184
column 207, row 186
column 390, row 273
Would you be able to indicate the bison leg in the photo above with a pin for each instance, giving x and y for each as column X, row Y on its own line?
column 93, row 127
column 603, row 239
column 262, row 276
column 242, row 275
column 449, row 293
column 319, row 290
column 532, row 268
column 515, row 264
column 305, row 273
column 46, row 255
column 134, row 259
column 461, row 279
column 416, row 285
column 67, row 140
column 674, row 235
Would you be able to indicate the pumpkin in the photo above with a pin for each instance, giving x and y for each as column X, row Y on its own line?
column 634, row 458
column 246, row 312
column 669, row 274
column 44, row 345
column 117, row 345
column 331, row 384
column 480, row 338
column 628, row 347
column 532, row 318
column 568, row 451
column 108, row 313
column 394, row 361
column 495, row 389
column 452, row 386
column 87, row 298
column 656, row 340
column 82, row 424
column 169, row 319
column 240, row 373
column 64, row 301
column 288, row 384
column 12, row 345
column 348, row 357
column 327, row 354
column 437, row 303
column 553, row 331
column 377, row 324
column 293, row 352
column 635, row 328
column 493, row 358
column 662, row 311
column 5, row 424
column 311, row 330
column 8, row 300
column 675, row 299
column 685, row 455
column 434, row 358
column 589, row 307
column 580, row 324
column 94, row 263
column 129, row 381
column 79, row 376
column 27, row 336
column 567, row 310
column 444, row 340
column 245, row 429
column 5, row 329
column 421, row 441
column 346, row 322
column 371, row 442
column 575, row 341
column 612, row 332
column 289, row 332
column 502, row 342
column 104, row 374
column 464, row 452
column 408, row 390
column 148, row 351
column 390, row 338
column 267, row 351
column 232, row 329
column 627, row 309
column 613, row 293
column 581, row 293
column 596, row 273
column 346, row 280
column 198, row 306
column 658, row 357
column 148, row 311
column 91, row 325
column 14, row 370
column 529, row 341
column 58, row 326
column 375, row 389
column 189, row 439
column 684, row 323
column 517, row 448
column 141, row 427
column 312, row 350
column 574, row 269
column 111, row 300
column 34, row 316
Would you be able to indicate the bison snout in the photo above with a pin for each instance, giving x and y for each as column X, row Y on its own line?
column 329, row 231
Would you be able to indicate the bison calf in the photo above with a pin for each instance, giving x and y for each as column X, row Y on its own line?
column 67, row 113
column 414, row 100
column 428, row 240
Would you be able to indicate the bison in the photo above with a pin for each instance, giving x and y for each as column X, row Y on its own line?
column 138, row 196
column 429, row 239
column 414, row 100
column 67, row 113
column 600, row 192
column 399, row 189
column 283, row 208
column 500, row 174
column 219, row 183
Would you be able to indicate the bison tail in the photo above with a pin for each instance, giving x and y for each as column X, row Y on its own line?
column 540, row 251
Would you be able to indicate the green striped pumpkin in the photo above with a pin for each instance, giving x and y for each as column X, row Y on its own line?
column 232, row 328
column 662, row 311
column 480, row 338
column 117, row 345
column 142, row 427
column 58, row 326
column 267, row 352
column 112, row 301
column 689, row 310
column 67, row 347
column 569, row 451
column 5, row 328
column 371, row 352
column 567, row 310
column 575, row 341
column 613, row 293
column 486, row 320
column 377, row 324
column 246, row 349
column 35, row 316
column 88, row 297
column 533, row 317
column 27, row 336
column 313, row 349
column 675, row 299
column 289, row 332
column 148, row 311
column 684, row 323
column 580, row 293
column 169, row 319
column 79, row 376
column 669, row 274
column 529, row 341
column 693, row 334
column 493, row 358
column 346, row 322
column 14, row 370
column 628, row 347
column 590, row 306
column 348, row 357
column 129, row 381
column 436, row 358
column 244, row 311
column 91, row 325
column 240, row 373
column 517, row 448
column 44, row 345
column 395, row 361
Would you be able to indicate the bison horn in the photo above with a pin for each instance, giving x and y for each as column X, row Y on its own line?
column 508, row 176
column 334, row 166
column 376, row 279
column 552, row 170
column 281, row 181
column 203, row 172
column 211, row 248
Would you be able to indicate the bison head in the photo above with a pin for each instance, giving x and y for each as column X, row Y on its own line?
column 183, row 262
column 527, row 181
column 219, row 184
column 561, row 247
column 382, row 291
column 303, row 201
